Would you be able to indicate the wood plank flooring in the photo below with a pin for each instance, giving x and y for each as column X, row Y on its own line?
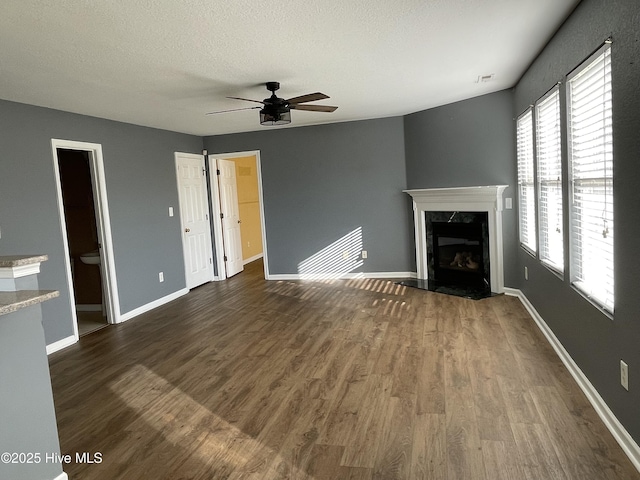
column 348, row 379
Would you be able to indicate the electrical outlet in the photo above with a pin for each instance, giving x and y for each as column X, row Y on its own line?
column 526, row 273
column 364, row 254
column 171, row 211
column 624, row 375
column 161, row 277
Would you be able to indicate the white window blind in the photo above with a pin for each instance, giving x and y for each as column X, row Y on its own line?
column 591, row 174
column 526, row 193
column 549, row 173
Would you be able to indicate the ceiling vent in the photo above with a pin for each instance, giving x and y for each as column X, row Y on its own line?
column 485, row 78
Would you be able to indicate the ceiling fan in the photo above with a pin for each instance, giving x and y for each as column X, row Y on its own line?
column 277, row 111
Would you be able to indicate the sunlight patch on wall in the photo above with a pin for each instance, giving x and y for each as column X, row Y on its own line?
column 341, row 257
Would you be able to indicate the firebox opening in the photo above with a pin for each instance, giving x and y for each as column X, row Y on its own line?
column 458, row 253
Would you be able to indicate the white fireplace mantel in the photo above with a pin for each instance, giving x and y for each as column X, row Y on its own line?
column 461, row 199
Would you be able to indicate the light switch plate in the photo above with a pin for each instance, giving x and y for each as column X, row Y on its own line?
column 624, row 375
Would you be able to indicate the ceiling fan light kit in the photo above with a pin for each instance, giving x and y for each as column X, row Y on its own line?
column 277, row 111
column 275, row 117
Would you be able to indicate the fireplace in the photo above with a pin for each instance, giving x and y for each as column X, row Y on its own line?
column 456, row 250
column 459, row 238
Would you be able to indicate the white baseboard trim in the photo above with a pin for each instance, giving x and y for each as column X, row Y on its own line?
column 385, row 275
column 65, row 342
column 60, row 344
column 618, row 431
column 62, row 476
column 513, row 292
column 89, row 307
column 341, row 276
column 150, row 306
column 252, row 259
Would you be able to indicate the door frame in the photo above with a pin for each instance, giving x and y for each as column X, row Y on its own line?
column 103, row 222
column 215, row 206
column 202, row 157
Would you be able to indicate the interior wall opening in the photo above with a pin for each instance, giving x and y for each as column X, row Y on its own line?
column 237, row 212
column 82, row 236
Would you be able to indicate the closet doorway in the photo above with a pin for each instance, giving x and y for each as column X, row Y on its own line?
column 248, row 243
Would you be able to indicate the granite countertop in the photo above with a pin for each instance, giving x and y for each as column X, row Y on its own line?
column 12, row 301
column 20, row 260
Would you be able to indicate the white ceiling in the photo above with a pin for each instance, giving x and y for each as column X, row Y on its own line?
column 165, row 63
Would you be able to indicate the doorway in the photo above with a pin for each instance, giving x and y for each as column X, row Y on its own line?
column 247, row 211
column 87, row 240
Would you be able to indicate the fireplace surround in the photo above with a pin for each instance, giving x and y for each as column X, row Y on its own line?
column 461, row 201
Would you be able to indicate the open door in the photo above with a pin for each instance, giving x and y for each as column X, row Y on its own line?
column 230, row 216
column 194, row 219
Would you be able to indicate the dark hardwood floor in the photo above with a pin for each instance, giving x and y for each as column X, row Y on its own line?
column 347, row 379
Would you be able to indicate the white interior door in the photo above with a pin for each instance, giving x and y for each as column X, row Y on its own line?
column 230, row 216
column 194, row 219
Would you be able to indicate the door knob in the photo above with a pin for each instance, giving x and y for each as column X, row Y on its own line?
column 239, row 221
column 187, row 230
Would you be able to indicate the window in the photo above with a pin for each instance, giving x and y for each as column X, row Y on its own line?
column 549, row 177
column 591, row 178
column 526, row 194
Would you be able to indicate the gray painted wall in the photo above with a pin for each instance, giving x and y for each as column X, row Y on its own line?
column 467, row 143
column 596, row 342
column 322, row 182
column 141, row 185
column 27, row 414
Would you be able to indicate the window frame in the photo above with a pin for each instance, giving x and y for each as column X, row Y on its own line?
column 532, row 223
column 581, row 286
column 541, row 184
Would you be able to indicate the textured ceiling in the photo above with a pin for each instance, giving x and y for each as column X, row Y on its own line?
column 165, row 63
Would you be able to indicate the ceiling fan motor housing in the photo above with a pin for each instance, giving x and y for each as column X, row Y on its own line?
column 275, row 102
column 276, row 110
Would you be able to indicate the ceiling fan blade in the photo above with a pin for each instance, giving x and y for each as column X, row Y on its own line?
column 314, row 108
column 232, row 110
column 246, row 99
column 309, row 97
